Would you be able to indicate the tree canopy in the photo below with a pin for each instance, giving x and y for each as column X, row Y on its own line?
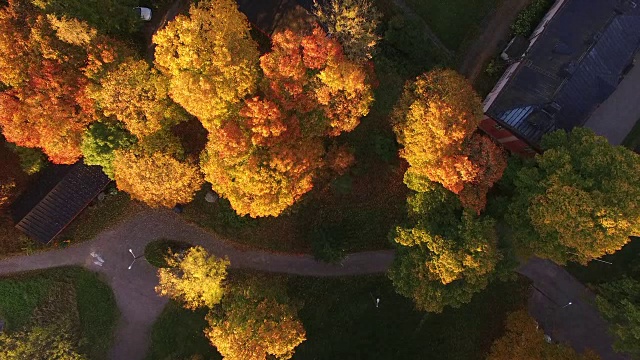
column 577, row 201
column 445, row 254
column 435, row 120
column 137, row 95
column 101, row 140
column 156, row 178
column 46, row 72
column 266, row 157
column 354, row 23
column 254, row 320
column 523, row 340
column 619, row 303
column 210, row 59
column 195, row 278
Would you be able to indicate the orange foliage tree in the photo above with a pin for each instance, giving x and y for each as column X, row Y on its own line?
column 434, row 121
column 265, row 157
column 156, row 178
column 46, row 74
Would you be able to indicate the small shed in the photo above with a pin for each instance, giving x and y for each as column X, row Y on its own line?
column 60, row 195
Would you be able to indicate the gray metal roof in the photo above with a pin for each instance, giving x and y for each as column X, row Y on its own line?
column 572, row 67
column 64, row 202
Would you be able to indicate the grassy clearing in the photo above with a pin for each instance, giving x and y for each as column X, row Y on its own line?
column 97, row 218
column 625, row 261
column 96, row 305
column 156, row 251
column 453, row 21
column 342, row 322
column 178, row 334
column 632, row 141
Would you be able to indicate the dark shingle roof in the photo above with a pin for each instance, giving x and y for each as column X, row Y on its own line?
column 63, row 202
column 572, row 67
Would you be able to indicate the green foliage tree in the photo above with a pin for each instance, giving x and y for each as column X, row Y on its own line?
column 255, row 320
column 101, row 140
column 578, row 201
column 523, row 340
column 354, row 23
column 445, row 254
column 195, row 278
column 619, row 303
column 114, row 17
column 38, row 343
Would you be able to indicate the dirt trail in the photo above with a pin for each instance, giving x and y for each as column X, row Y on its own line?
column 496, row 30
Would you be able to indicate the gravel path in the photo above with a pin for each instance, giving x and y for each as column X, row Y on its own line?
column 495, row 31
column 134, row 289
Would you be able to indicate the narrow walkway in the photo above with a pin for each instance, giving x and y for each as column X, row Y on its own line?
column 578, row 324
column 134, row 289
column 497, row 30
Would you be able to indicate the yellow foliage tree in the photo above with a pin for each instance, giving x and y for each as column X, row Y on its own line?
column 138, row 96
column 157, row 178
column 210, row 58
column 255, row 320
column 194, row 278
column 434, row 121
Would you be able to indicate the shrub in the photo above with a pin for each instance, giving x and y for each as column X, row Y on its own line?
column 156, row 252
column 530, row 17
column 328, row 243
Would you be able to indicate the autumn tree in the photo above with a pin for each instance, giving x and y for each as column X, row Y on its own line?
column 523, row 340
column 445, row 255
column 435, row 120
column 210, row 59
column 265, row 158
column 195, row 278
column 619, row 303
column 577, row 201
column 156, row 178
column 46, row 72
column 354, row 23
column 255, row 320
column 137, row 95
column 101, row 140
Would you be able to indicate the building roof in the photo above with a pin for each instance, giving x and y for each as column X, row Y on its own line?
column 571, row 67
column 44, row 215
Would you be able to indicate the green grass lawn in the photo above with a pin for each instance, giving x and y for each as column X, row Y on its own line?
column 342, row 322
column 625, row 261
column 453, row 21
column 98, row 217
column 178, row 334
column 632, row 141
column 20, row 295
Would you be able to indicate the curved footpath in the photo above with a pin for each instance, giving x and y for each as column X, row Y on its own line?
column 134, row 289
column 579, row 324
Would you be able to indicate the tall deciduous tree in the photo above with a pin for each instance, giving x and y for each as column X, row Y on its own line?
column 156, row 178
column 210, row 58
column 445, row 254
column 523, row 340
column 435, row 120
column 265, row 158
column 46, row 73
column 194, row 278
column 354, row 23
column 255, row 320
column 579, row 200
column 137, row 95
column 101, row 140
column 619, row 303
